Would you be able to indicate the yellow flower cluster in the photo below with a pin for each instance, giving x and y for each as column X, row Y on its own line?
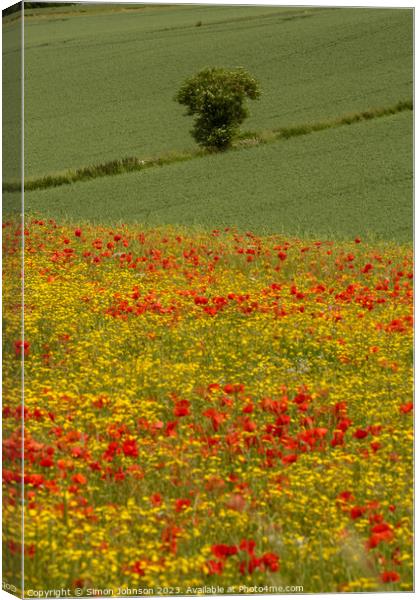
column 207, row 409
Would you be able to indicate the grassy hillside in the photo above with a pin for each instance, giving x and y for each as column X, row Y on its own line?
column 12, row 96
column 100, row 85
column 355, row 180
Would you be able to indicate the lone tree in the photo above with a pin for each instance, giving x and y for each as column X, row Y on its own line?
column 217, row 97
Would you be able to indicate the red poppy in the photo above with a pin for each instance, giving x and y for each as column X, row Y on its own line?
column 138, row 568
column 382, row 528
column 248, row 425
column 215, row 567
column 233, row 388
column 389, row 577
column 282, row 421
column 368, row 267
column 228, row 388
column 130, row 448
column 182, row 408
column 289, row 459
column 344, row 424
column 169, row 538
column 34, row 479
column 375, row 446
column 19, row 344
column 170, row 429
column 359, row 434
column 271, row 561
column 382, row 532
column 247, row 546
column 79, row 478
column 213, row 387
column 223, row 550
column 181, row 504
column 357, row 511
column 156, row 499
column 346, row 496
column 250, row 565
column 338, row 439
column 216, row 417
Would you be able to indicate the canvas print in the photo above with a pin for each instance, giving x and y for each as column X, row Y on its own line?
column 207, row 299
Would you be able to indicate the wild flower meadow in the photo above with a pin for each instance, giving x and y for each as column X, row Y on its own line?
column 208, row 408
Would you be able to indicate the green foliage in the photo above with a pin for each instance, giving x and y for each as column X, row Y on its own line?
column 216, row 96
column 343, row 182
column 302, row 81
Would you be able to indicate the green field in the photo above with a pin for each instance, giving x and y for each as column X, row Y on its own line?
column 100, row 86
column 336, row 183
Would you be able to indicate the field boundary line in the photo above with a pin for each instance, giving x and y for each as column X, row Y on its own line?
column 247, row 139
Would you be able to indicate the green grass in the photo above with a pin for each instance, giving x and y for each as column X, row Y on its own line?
column 12, row 98
column 100, row 85
column 247, row 139
column 337, row 183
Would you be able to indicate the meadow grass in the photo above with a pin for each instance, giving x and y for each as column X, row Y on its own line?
column 339, row 182
column 312, row 64
column 245, row 140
